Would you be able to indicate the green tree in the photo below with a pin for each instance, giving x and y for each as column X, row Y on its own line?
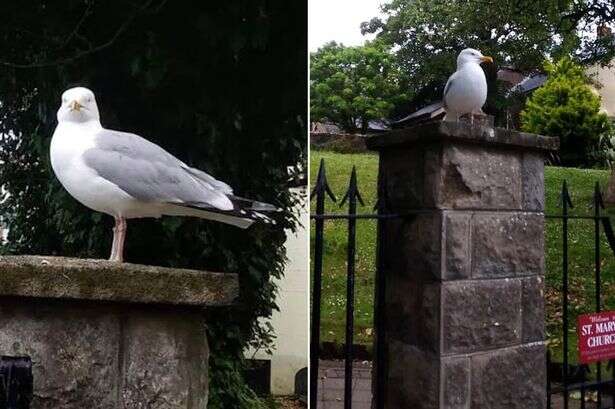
column 352, row 85
column 222, row 85
column 428, row 35
column 566, row 107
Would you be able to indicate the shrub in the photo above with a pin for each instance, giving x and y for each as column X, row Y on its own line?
column 568, row 108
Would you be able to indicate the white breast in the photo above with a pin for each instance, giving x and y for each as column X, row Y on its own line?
column 470, row 91
column 68, row 144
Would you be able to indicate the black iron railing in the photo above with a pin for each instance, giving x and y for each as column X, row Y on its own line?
column 563, row 378
column 351, row 198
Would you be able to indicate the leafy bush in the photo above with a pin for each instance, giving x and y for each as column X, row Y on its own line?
column 222, row 85
column 566, row 107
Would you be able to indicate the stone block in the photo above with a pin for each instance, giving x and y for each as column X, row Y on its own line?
column 456, row 245
column 403, row 173
column 433, row 169
column 478, row 178
column 507, row 244
column 533, row 305
column 512, row 378
column 163, row 360
column 413, row 380
column 455, row 382
column 420, row 259
column 479, row 315
column 413, row 313
column 73, row 352
column 532, row 179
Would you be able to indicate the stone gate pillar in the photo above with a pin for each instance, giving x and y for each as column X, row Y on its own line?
column 109, row 335
column 465, row 277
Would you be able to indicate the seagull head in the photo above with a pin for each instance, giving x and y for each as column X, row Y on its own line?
column 78, row 105
column 472, row 56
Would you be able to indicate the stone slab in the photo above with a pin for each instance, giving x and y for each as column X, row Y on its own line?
column 455, row 382
column 436, row 132
column 108, row 355
column 480, row 314
column 507, row 244
column 533, row 304
column 405, row 175
column 101, row 280
column 473, row 177
column 413, row 378
column 462, row 176
column 164, row 361
column 73, row 351
column 456, row 245
column 413, row 313
column 514, row 378
column 532, row 177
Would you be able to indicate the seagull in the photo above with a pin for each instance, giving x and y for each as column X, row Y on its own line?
column 126, row 176
column 466, row 90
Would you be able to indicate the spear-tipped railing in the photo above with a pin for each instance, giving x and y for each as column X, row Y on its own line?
column 352, row 198
column 574, row 377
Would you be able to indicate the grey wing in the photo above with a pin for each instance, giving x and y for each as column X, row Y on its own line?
column 208, row 179
column 149, row 173
column 449, row 85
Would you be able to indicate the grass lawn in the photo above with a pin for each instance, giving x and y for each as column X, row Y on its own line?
column 581, row 250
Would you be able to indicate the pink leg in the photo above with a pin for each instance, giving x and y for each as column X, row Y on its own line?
column 114, row 245
column 119, row 234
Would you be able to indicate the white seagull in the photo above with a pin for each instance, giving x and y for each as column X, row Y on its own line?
column 126, row 176
column 466, row 89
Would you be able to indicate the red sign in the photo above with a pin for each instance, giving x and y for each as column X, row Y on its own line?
column 596, row 336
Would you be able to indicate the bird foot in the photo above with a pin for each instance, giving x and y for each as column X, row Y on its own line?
column 116, row 259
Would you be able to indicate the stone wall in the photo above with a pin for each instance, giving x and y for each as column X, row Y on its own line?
column 465, row 274
column 108, row 335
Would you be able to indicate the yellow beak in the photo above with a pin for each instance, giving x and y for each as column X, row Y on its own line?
column 75, row 106
column 486, row 58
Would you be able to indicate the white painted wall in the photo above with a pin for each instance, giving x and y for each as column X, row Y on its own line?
column 606, row 77
column 291, row 322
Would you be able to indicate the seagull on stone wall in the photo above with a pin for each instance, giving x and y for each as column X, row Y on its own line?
column 126, row 176
column 466, row 89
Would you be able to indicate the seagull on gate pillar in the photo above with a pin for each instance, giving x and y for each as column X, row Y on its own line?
column 466, row 89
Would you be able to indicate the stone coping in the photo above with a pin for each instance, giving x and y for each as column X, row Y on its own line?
column 102, row 280
column 461, row 132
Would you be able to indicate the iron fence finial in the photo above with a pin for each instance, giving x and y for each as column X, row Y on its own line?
column 566, row 200
column 598, row 200
column 322, row 185
column 353, row 189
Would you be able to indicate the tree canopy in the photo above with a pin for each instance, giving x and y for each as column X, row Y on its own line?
column 220, row 85
column 352, row 85
column 428, row 35
column 566, row 107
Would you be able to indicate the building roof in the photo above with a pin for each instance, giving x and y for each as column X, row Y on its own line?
column 373, row 126
column 530, row 83
column 427, row 113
